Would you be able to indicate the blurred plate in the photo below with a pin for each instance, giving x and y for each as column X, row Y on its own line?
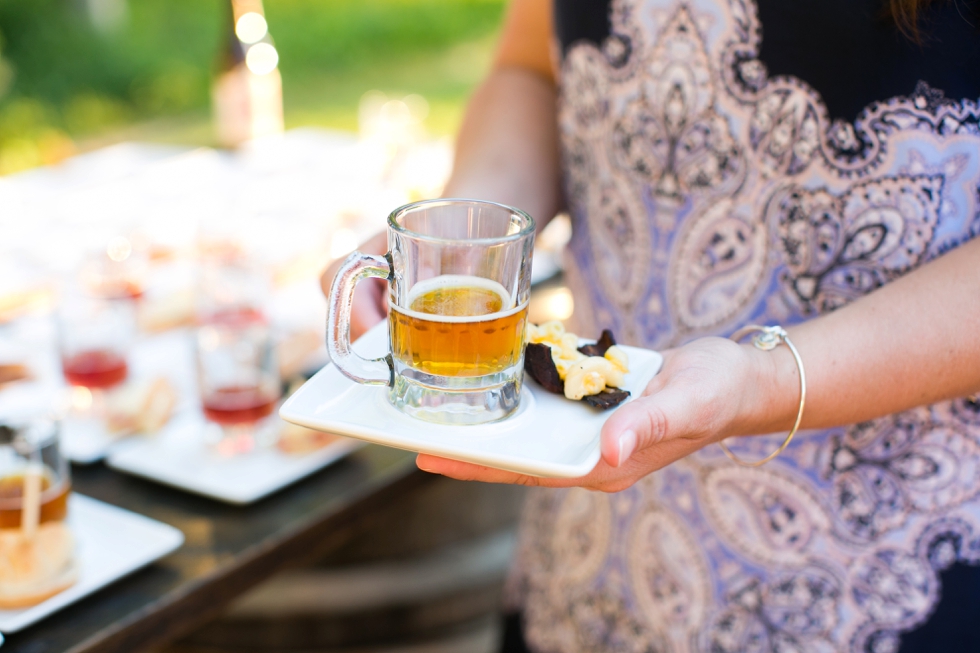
column 110, row 543
column 170, row 355
column 547, row 436
column 178, row 456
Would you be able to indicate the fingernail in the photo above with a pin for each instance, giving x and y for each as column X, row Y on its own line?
column 627, row 443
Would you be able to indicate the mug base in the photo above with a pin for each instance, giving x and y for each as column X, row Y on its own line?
column 458, row 400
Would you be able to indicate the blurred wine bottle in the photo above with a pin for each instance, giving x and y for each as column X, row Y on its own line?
column 247, row 88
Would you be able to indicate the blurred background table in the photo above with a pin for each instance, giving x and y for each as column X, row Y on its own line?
column 227, row 551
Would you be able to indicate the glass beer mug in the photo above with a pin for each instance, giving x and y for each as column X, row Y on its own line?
column 459, row 277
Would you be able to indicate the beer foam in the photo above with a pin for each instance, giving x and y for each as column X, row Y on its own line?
column 459, row 281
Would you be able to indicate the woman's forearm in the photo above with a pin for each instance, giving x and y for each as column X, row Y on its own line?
column 507, row 150
column 910, row 343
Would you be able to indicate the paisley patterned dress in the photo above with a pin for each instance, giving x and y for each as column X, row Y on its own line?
column 706, row 194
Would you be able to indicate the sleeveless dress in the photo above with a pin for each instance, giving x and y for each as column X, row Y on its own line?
column 707, row 193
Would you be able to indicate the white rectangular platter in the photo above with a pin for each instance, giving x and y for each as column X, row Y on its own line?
column 548, row 436
column 110, row 543
column 168, row 354
column 179, row 457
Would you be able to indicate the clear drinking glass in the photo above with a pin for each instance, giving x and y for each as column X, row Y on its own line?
column 94, row 335
column 459, row 274
column 238, row 378
column 231, row 288
column 30, row 455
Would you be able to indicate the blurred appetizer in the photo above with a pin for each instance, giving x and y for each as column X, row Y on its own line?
column 156, row 314
column 37, row 560
column 141, row 407
column 35, row 569
column 11, row 372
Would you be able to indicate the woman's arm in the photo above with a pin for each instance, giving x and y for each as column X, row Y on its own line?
column 507, row 148
column 912, row 342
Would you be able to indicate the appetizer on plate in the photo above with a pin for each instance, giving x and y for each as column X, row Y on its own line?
column 141, row 407
column 594, row 372
column 37, row 556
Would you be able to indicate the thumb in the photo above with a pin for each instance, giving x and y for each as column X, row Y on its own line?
column 642, row 423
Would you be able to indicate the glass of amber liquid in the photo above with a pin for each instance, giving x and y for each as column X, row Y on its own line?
column 29, row 454
column 238, row 376
column 458, row 275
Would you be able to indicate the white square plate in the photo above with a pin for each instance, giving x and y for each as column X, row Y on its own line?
column 548, row 435
column 178, row 456
column 171, row 355
column 110, row 543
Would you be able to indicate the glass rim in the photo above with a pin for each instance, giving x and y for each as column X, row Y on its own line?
column 25, row 440
column 526, row 230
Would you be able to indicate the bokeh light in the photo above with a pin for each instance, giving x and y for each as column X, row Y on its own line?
column 262, row 58
column 251, row 27
column 119, row 249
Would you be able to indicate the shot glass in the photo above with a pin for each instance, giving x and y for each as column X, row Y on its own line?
column 238, row 380
column 34, row 477
column 95, row 334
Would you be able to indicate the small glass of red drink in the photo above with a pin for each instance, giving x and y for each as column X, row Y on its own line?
column 117, row 273
column 238, row 378
column 95, row 334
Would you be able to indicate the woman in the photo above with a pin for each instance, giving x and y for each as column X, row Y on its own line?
column 814, row 164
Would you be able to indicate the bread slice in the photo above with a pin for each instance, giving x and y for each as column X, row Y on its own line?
column 141, row 407
column 34, row 570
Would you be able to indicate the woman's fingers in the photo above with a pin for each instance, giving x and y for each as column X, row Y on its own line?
column 461, row 471
column 469, row 472
column 370, row 300
column 603, row 477
column 369, row 306
column 660, row 380
column 647, row 421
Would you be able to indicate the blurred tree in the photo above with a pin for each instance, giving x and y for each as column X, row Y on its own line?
column 66, row 77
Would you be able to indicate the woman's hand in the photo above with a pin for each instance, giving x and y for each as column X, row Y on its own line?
column 706, row 391
column 370, row 302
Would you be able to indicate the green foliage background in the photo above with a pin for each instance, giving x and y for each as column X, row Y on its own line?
column 66, row 85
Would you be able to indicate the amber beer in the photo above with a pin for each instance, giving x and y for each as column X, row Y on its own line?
column 458, row 326
column 54, row 499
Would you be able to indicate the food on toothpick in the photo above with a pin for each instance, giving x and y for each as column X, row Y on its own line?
column 594, row 373
column 37, row 556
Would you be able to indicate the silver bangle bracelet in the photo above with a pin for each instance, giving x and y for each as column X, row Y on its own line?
column 768, row 338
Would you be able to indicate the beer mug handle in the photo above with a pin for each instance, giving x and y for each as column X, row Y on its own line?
column 357, row 266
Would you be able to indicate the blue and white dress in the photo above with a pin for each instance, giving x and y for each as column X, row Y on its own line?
column 707, row 193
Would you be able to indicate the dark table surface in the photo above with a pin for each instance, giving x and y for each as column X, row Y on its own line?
column 228, row 549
